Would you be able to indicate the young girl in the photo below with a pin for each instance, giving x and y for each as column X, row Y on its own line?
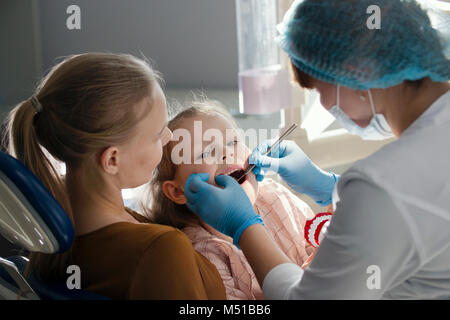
column 283, row 213
column 104, row 117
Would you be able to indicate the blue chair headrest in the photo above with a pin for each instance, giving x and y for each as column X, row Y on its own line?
column 29, row 214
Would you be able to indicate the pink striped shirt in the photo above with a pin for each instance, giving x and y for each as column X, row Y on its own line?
column 284, row 217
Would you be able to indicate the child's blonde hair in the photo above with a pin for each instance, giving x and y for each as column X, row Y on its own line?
column 88, row 104
column 163, row 210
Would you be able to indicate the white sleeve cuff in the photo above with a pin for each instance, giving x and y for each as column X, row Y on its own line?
column 281, row 280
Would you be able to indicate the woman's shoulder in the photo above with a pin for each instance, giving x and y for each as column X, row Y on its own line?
column 133, row 238
column 157, row 262
column 152, row 234
column 147, row 232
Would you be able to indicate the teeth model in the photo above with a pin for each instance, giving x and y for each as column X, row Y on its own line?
column 316, row 228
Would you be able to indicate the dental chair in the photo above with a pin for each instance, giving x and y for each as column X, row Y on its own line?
column 33, row 220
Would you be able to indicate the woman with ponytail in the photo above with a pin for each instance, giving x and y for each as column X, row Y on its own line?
column 103, row 116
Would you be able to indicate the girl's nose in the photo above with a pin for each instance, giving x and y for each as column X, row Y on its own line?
column 229, row 155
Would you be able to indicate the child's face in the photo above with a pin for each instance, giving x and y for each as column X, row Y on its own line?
column 234, row 154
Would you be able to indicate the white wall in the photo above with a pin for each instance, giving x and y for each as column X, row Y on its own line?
column 20, row 60
column 193, row 42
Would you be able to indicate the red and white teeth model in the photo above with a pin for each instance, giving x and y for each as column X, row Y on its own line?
column 316, row 228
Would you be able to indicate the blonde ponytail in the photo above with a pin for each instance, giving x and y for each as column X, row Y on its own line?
column 24, row 146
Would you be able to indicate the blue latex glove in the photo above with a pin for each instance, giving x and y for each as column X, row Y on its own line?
column 227, row 210
column 294, row 166
column 259, row 173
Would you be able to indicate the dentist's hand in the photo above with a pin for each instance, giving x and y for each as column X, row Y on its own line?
column 228, row 210
column 294, row 166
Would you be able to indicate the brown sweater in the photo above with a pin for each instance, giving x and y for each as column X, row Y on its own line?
column 144, row 261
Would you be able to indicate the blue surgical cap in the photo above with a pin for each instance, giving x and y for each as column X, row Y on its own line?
column 330, row 40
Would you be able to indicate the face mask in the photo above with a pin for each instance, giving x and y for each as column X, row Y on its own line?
column 378, row 128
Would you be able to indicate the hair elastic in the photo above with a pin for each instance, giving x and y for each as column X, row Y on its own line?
column 36, row 104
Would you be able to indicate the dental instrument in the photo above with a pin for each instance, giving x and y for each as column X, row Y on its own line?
column 276, row 143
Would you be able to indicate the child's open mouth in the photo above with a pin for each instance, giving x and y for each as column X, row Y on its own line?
column 238, row 175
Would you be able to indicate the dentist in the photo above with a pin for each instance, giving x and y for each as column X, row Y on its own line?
column 389, row 237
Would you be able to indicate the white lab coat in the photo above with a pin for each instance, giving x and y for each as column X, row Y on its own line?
column 390, row 234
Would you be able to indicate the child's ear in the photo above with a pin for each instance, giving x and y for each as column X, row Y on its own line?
column 173, row 192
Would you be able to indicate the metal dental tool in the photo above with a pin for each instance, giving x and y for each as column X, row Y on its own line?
column 275, row 144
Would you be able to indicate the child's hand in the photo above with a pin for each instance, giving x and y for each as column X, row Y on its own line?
column 309, row 260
